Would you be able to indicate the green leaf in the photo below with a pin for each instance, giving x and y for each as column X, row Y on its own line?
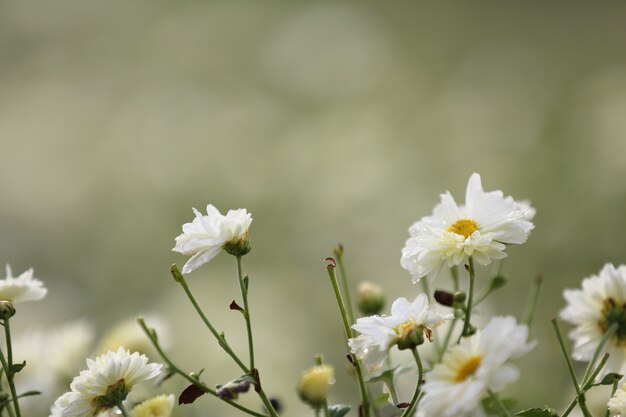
column 16, row 367
column 608, row 379
column 491, row 408
column 382, row 399
column 538, row 412
column 338, row 410
column 29, row 393
column 387, row 375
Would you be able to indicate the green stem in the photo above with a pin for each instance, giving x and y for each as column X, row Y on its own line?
column 10, row 372
column 615, row 385
column 496, row 399
column 345, row 288
column 531, row 303
column 244, row 294
column 587, row 385
column 580, row 398
column 426, row 289
column 446, row 341
column 122, row 409
column 454, row 272
column 467, row 327
column 193, row 380
column 346, row 327
column 605, row 337
column 420, row 375
column 178, row 277
column 6, row 368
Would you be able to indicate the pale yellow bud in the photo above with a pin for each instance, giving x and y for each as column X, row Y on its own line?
column 314, row 384
column 159, row 406
column 370, row 298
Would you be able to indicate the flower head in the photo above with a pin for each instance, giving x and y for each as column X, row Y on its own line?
column 106, row 383
column 592, row 309
column 456, row 386
column 314, row 384
column 206, row 236
column 159, row 406
column 22, row 288
column 406, row 326
column 481, row 229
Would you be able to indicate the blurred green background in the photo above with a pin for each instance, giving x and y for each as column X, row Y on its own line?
column 330, row 122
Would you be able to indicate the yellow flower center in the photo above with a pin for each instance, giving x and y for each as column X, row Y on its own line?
column 463, row 227
column 468, row 368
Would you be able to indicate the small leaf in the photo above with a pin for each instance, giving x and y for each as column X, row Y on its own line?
column 403, row 405
column 382, row 399
column 16, row 367
column 608, row 379
column 538, row 412
column 497, row 282
column 444, row 298
column 232, row 389
column 338, row 410
column 29, row 393
column 190, row 394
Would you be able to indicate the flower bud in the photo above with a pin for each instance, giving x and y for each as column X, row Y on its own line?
column 238, row 246
column 370, row 298
column 314, row 384
column 411, row 337
column 6, row 310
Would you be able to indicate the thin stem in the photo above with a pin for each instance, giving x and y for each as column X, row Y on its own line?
column 10, row 372
column 122, row 409
column 346, row 327
column 587, row 385
column 345, row 288
column 580, row 398
column 420, row 375
column 6, row 368
column 426, row 289
column 178, row 277
column 454, row 272
column 605, row 337
column 470, row 298
column 615, row 385
column 446, row 341
column 244, row 294
column 531, row 303
column 496, row 399
column 173, row 367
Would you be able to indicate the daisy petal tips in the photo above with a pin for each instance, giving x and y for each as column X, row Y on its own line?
column 481, row 228
column 208, row 234
column 22, row 288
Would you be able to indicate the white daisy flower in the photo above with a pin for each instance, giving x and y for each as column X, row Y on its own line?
column 481, row 229
column 379, row 333
column 456, row 386
column 206, row 236
column 22, row 288
column 593, row 309
column 617, row 403
column 107, row 381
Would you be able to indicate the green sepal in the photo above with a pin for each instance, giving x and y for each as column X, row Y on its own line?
column 538, row 412
column 16, row 367
column 608, row 379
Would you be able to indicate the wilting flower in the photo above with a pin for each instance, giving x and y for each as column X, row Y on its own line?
column 206, row 236
column 159, row 406
column 600, row 303
column 481, row 229
column 617, row 403
column 106, row 383
column 22, row 288
column 405, row 327
column 456, row 386
column 314, row 384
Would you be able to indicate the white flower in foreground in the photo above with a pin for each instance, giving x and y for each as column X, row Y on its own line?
column 22, row 288
column 456, row 386
column 617, row 403
column 159, row 406
column 407, row 323
column 593, row 309
column 481, row 229
column 107, row 382
column 206, row 236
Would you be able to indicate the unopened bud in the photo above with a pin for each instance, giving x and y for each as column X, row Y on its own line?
column 314, row 384
column 444, row 298
column 6, row 310
column 239, row 246
column 338, row 250
column 370, row 298
column 412, row 337
column 459, row 297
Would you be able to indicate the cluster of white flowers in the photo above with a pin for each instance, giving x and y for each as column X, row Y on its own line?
column 206, row 236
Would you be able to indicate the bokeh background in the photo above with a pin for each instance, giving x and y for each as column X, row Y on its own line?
column 329, row 121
